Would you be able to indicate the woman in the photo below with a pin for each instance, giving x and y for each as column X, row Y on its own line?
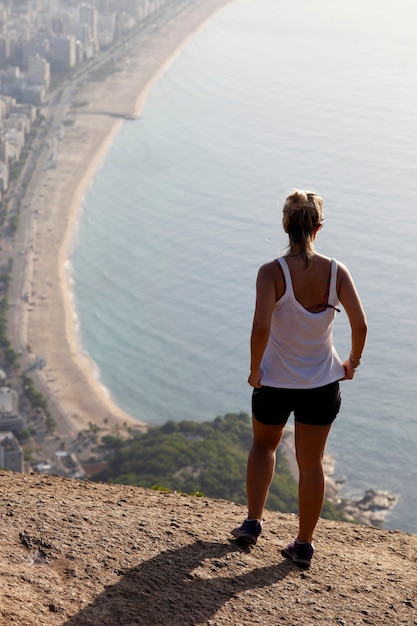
column 295, row 367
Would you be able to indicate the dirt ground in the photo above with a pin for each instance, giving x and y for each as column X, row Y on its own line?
column 77, row 553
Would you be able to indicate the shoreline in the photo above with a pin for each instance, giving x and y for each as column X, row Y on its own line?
column 94, row 117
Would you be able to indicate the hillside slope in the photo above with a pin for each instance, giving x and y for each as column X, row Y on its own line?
column 78, row 553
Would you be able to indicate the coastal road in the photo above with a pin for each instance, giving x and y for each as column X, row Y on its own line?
column 20, row 246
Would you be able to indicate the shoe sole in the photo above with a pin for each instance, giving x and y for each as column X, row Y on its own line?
column 247, row 540
column 305, row 563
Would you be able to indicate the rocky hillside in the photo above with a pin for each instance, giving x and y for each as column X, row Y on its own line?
column 85, row 554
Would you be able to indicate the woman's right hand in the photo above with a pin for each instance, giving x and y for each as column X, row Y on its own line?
column 255, row 377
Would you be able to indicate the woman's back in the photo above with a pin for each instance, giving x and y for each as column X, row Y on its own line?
column 299, row 352
column 310, row 284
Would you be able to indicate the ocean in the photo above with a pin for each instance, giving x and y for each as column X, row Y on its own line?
column 269, row 95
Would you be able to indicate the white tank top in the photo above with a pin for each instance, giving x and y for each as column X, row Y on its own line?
column 300, row 352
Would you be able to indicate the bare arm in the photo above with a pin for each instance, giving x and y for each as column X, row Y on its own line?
column 266, row 296
column 351, row 302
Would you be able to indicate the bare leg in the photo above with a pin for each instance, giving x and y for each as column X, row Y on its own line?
column 310, row 442
column 261, row 466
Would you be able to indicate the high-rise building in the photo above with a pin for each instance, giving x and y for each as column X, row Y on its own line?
column 89, row 16
column 39, row 71
column 5, row 48
column 11, row 454
column 63, row 51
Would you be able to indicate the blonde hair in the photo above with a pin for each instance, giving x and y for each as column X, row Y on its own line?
column 302, row 213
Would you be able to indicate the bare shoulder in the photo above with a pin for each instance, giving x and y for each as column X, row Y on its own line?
column 268, row 269
column 343, row 273
column 270, row 279
column 346, row 288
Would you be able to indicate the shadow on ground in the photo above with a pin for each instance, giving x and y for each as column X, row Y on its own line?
column 167, row 591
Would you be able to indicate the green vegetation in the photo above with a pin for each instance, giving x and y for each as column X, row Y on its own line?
column 36, row 399
column 14, row 223
column 198, row 458
column 9, row 355
column 15, row 170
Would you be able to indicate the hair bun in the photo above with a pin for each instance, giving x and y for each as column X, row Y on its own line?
column 298, row 199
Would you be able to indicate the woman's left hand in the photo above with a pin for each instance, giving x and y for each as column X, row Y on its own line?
column 349, row 371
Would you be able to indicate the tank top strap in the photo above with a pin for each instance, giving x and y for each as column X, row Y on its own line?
column 282, row 264
column 333, row 280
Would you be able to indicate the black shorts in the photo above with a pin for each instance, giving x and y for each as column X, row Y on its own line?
column 318, row 406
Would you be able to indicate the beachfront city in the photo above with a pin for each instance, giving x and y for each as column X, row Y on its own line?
column 70, row 73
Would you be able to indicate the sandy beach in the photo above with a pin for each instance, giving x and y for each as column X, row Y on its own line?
column 93, row 115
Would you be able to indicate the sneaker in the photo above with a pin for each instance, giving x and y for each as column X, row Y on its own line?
column 249, row 532
column 300, row 553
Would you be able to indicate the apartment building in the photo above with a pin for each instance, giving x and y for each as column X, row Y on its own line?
column 11, row 454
